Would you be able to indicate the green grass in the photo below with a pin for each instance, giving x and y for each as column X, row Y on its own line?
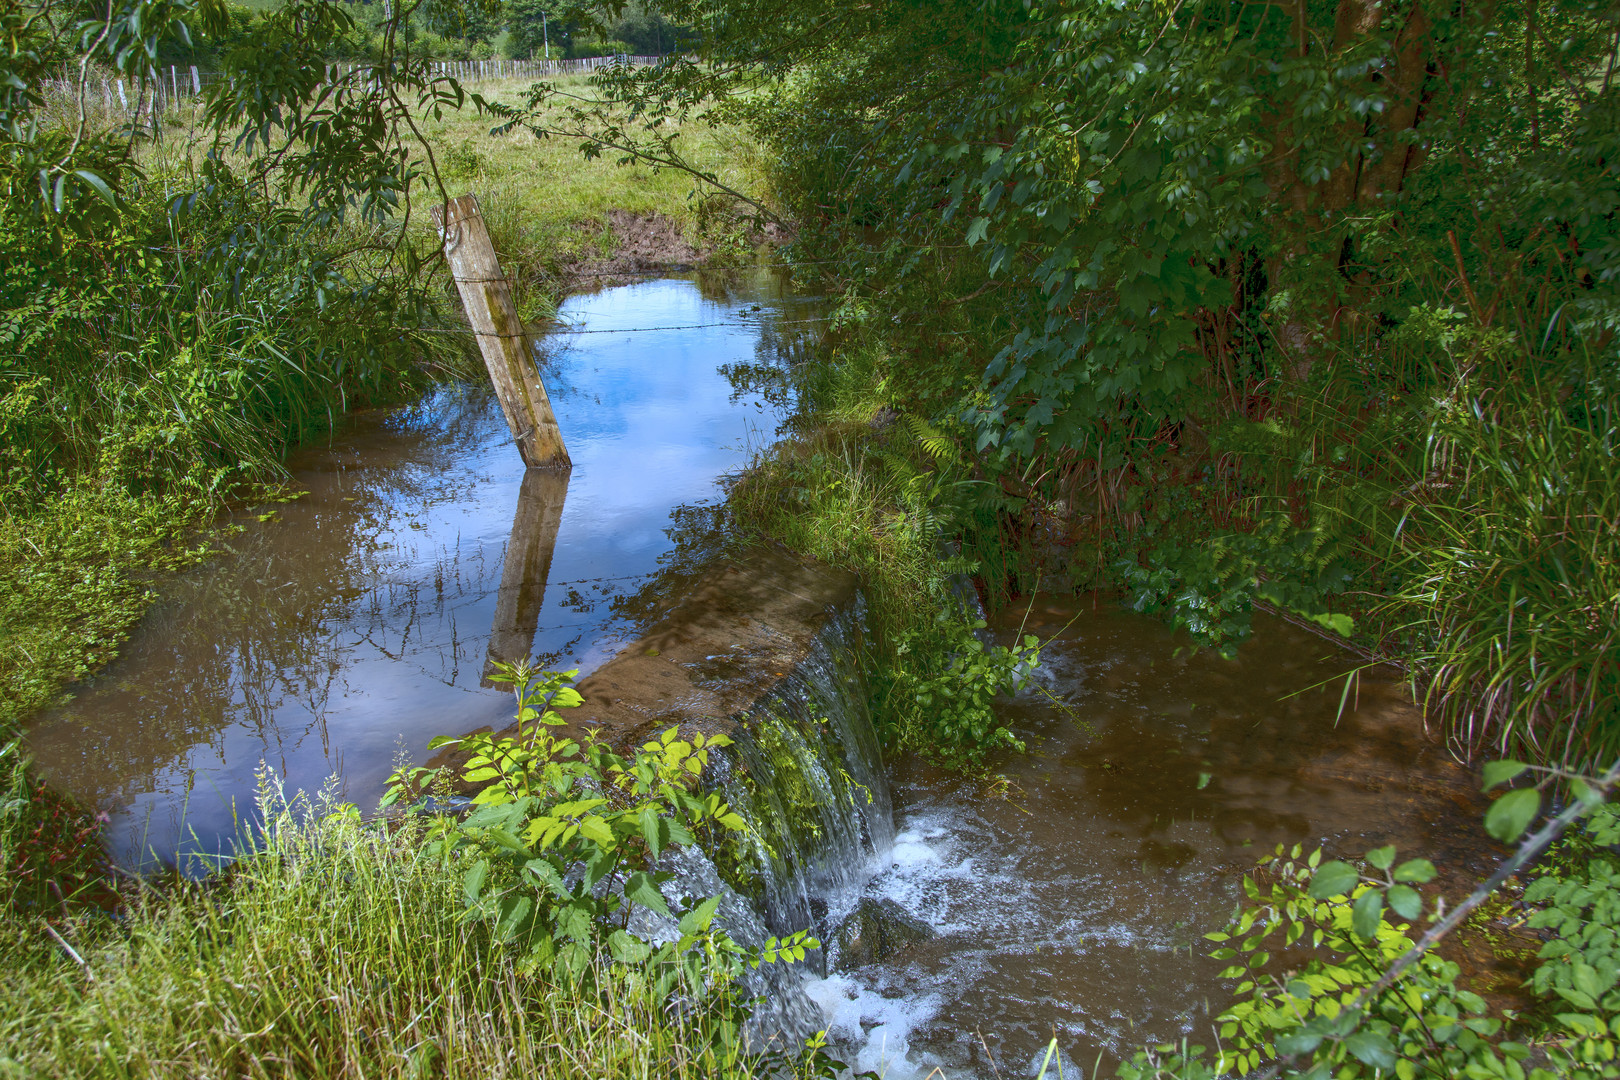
column 1509, row 581
column 553, row 181
column 548, row 206
column 334, row 951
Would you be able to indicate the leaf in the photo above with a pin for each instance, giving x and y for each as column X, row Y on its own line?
column 1333, row 879
column 574, row 921
column 1372, row 1049
column 641, row 888
column 515, row 910
column 1586, row 980
column 547, row 876
column 1368, row 914
column 1300, row 1042
column 1510, row 815
column 1382, row 858
column 651, row 832
column 1586, row 1026
column 577, row 807
column 1417, row 871
column 698, row 919
column 472, row 882
column 1500, row 772
column 627, row 948
column 99, row 184
column 595, row 829
column 1405, row 902
column 542, row 951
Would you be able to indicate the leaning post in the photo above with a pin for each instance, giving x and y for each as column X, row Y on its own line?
column 508, row 352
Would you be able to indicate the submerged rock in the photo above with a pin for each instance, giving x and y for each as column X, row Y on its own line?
column 878, row 930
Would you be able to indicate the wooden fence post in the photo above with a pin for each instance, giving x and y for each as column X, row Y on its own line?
column 508, row 353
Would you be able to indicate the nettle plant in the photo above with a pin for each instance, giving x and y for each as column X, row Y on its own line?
column 1335, row 980
column 565, row 836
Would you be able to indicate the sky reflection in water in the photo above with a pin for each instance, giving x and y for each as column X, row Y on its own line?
column 356, row 622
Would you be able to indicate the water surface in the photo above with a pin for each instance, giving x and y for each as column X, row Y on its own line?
column 356, row 623
column 1072, row 897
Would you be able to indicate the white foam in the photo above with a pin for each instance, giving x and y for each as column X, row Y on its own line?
column 908, row 852
column 872, row 1032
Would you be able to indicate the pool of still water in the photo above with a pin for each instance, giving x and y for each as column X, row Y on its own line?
column 1071, row 897
column 356, row 623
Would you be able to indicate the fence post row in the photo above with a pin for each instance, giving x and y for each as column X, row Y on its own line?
column 168, row 95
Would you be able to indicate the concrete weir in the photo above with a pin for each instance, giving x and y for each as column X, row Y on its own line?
column 717, row 651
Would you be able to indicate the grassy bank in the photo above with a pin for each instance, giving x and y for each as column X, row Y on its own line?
column 335, row 950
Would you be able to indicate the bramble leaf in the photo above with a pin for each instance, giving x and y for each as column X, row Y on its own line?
column 1333, row 879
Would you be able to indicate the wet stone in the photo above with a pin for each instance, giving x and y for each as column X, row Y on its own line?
column 877, row 931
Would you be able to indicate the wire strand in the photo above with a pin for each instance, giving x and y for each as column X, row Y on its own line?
column 572, row 328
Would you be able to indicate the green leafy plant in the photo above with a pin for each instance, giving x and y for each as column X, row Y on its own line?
column 564, row 837
column 1332, row 982
column 942, row 686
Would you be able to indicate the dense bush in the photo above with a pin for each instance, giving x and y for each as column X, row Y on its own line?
column 1312, row 305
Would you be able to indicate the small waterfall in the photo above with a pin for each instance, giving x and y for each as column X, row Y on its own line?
column 807, row 776
column 806, row 773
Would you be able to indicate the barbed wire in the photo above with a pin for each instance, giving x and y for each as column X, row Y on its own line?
column 570, row 328
column 688, row 268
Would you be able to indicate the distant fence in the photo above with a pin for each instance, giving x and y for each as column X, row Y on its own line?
column 169, row 90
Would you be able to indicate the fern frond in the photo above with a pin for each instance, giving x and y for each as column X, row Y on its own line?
column 935, row 443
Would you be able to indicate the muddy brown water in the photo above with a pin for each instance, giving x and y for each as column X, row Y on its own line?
column 1071, row 902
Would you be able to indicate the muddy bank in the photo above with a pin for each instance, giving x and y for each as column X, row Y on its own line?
column 645, row 245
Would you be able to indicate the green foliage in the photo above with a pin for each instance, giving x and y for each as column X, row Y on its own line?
column 1240, row 303
column 939, row 692
column 333, row 949
column 1580, row 906
column 1331, row 982
column 881, row 501
column 565, row 838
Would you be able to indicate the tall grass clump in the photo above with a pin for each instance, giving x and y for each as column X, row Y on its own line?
column 331, row 948
column 1462, row 476
column 1518, row 573
column 888, row 496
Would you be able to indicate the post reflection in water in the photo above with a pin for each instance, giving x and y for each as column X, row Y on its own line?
column 526, row 568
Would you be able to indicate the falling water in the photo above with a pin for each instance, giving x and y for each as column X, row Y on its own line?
column 808, row 778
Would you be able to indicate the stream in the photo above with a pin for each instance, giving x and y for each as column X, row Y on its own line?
column 357, row 621
column 1070, row 900
column 1065, row 897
